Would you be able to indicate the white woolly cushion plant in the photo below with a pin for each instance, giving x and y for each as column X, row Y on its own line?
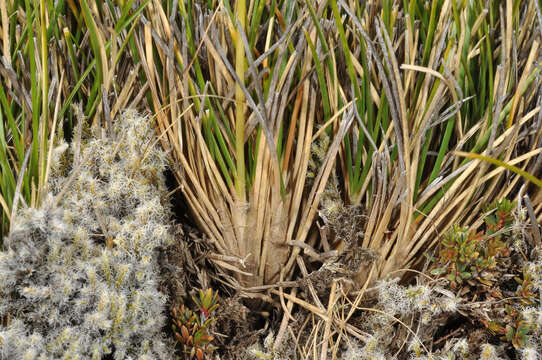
column 416, row 306
column 78, row 277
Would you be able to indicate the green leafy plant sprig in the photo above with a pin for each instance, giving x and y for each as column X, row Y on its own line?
column 514, row 328
column 467, row 255
column 477, row 258
column 191, row 329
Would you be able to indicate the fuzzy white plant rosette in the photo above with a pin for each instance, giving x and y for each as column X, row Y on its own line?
column 79, row 278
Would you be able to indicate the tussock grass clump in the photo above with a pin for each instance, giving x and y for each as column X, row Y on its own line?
column 430, row 81
column 240, row 118
column 394, row 90
column 79, row 275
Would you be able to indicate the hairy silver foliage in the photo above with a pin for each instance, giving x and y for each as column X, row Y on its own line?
column 79, row 277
